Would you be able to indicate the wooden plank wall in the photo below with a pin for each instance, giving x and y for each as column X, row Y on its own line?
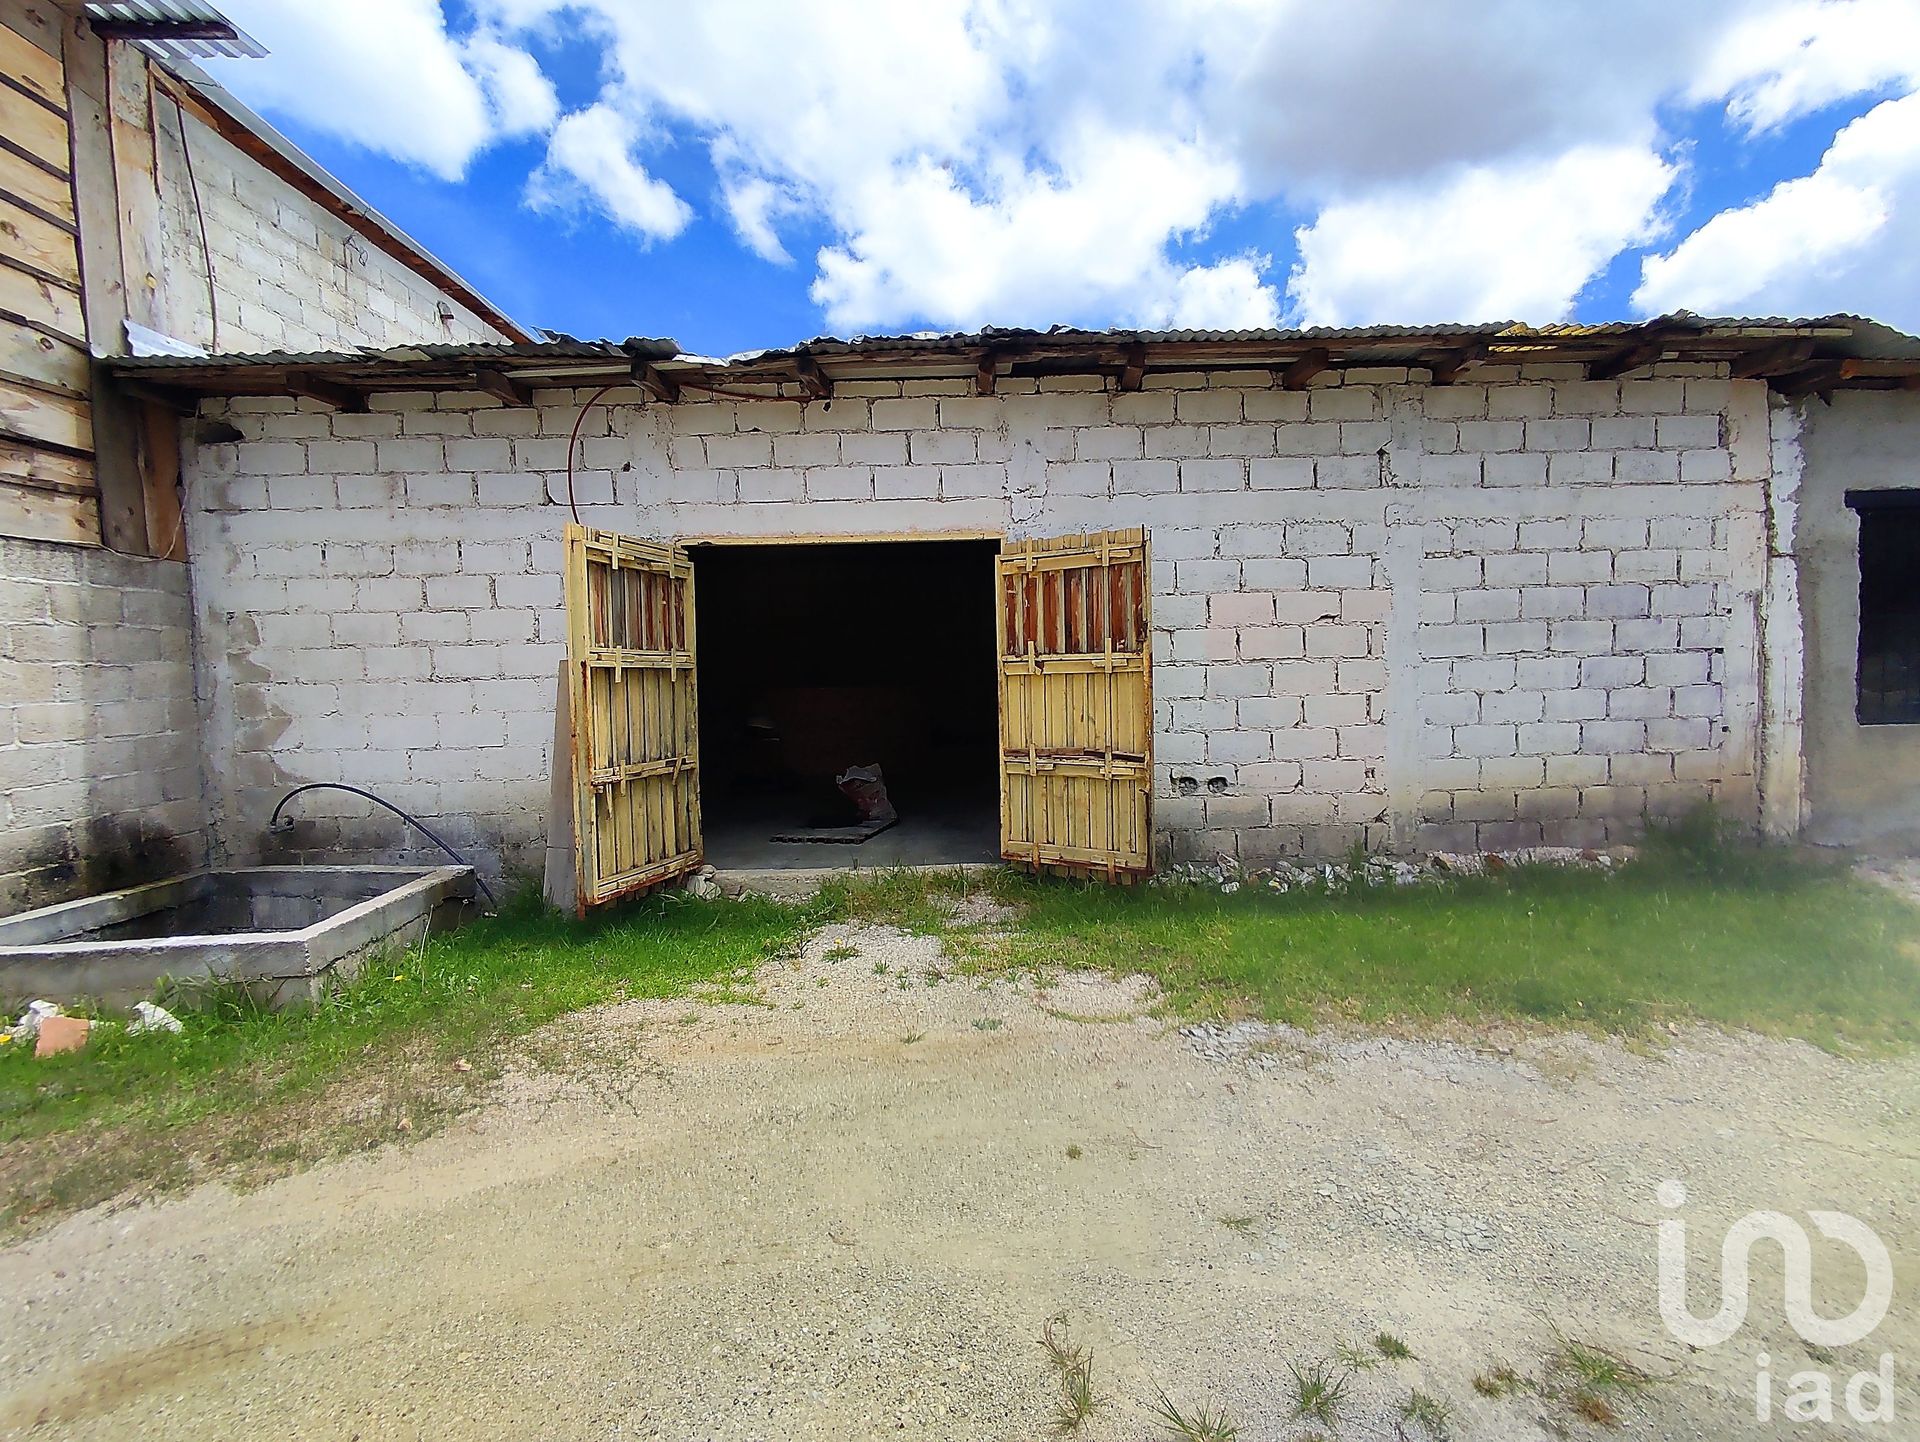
column 48, row 487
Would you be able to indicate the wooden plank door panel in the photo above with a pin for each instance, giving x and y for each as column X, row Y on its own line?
column 636, row 725
column 1076, row 704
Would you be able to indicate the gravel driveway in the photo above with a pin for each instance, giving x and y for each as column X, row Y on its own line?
column 850, row 1211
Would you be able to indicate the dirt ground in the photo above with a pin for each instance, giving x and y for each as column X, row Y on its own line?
column 850, row 1211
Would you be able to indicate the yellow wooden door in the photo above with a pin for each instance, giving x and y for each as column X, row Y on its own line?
column 635, row 722
column 1076, row 704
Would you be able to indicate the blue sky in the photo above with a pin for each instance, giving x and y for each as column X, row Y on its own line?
column 742, row 173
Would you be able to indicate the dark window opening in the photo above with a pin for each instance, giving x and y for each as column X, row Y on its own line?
column 1889, row 664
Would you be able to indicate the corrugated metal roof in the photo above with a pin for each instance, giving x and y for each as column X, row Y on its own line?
column 561, row 348
column 1817, row 353
column 190, row 13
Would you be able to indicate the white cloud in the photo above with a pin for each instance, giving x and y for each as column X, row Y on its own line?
column 1778, row 62
column 1514, row 242
column 1845, row 238
column 383, row 74
column 519, row 95
column 590, row 164
column 753, row 204
column 1112, row 161
column 1030, row 248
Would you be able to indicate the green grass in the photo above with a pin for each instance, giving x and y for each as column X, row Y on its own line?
column 1740, row 939
column 134, row 1111
column 1696, row 930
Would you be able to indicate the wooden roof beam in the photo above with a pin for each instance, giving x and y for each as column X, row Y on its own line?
column 1819, row 376
column 1447, row 368
column 502, row 387
column 1627, row 358
column 986, row 373
column 812, row 381
column 1772, row 359
column 1295, row 377
column 1133, row 370
column 656, row 382
column 328, row 393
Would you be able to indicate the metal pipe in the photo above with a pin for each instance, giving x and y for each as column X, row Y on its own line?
column 274, row 823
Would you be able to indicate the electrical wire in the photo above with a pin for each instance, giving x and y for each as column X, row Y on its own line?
column 200, row 214
column 592, row 401
column 274, row 824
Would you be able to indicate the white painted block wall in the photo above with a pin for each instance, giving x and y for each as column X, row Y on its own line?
column 1514, row 611
column 288, row 274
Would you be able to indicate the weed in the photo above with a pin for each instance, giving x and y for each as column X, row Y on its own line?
column 1241, row 1224
column 1058, row 1344
column 1320, row 1392
column 1198, row 1426
column 913, row 1036
column 880, row 968
column 1589, row 1378
column 1074, row 1363
column 1590, row 1407
column 1392, row 1348
column 842, row 952
column 1073, row 1152
column 1355, row 1358
column 1428, row 1413
column 1077, row 1400
column 987, row 1023
column 1500, row 1381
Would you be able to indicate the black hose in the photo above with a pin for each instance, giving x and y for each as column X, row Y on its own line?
column 273, row 824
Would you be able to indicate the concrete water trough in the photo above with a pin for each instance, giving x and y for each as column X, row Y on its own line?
column 286, row 932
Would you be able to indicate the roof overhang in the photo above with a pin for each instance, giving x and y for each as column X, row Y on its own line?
column 1793, row 356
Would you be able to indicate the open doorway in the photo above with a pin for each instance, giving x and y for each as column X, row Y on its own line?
column 815, row 658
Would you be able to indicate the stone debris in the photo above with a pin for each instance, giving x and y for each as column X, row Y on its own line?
column 1227, row 874
column 150, row 1018
column 702, row 884
column 61, row 1033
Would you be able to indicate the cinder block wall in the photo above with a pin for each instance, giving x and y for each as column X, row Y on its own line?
column 1514, row 611
column 99, row 753
column 288, row 275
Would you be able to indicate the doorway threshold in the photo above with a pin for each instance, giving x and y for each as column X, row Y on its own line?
column 790, row 883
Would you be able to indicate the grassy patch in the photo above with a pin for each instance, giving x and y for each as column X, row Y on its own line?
column 243, row 1085
column 1735, row 937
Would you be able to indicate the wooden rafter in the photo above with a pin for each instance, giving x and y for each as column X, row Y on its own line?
column 812, row 381
column 1626, row 358
column 1772, row 359
column 1448, row 368
column 1133, row 370
column 985, row 373
column 1819, row 376
column 1295, row 377
column 502, row 387
column 656, row 382
column 328, row 393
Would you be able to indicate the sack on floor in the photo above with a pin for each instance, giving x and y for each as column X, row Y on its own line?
column 867, row 790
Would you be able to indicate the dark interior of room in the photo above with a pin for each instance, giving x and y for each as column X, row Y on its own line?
column 814, row 658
